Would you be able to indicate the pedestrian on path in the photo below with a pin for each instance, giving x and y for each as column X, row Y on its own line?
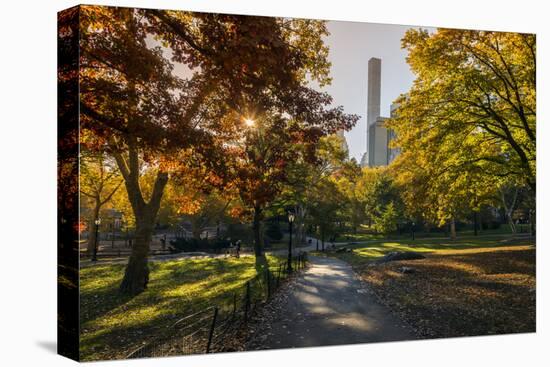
column 238, row 243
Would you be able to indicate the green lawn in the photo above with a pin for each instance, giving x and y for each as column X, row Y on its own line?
column 466, row 232
column 363, row 253
column 111, row 325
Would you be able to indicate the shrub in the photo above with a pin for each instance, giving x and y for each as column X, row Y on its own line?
column 273, row 231
column 193, row 244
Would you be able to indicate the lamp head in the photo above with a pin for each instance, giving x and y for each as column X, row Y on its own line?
column 290, row 217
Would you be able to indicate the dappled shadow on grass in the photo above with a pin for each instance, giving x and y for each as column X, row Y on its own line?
column 112, row 325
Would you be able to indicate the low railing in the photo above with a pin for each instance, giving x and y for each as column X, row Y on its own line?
column 215, row 328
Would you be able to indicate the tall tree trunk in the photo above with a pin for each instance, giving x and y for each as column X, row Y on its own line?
column 136, row 275
column 511, row 223
column 92, row 229
column 258, row 245
column 453, row 229
column 299, row 227
column 509, row 208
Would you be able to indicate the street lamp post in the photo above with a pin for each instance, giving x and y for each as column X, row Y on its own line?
column 412, row 230
column 97, row 223
column 290, row 221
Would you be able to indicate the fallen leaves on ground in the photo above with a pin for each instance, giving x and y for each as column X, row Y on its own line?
column 463, row 293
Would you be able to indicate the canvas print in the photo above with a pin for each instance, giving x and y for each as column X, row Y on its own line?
column 234, row 183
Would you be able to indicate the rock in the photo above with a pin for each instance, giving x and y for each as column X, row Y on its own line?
column 401, row 255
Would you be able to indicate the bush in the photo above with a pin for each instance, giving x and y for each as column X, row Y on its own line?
column 193, row 244
column 238, row 231
column 273, row 231
column 494, row 224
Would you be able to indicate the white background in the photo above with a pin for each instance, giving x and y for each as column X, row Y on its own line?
column 28, row 182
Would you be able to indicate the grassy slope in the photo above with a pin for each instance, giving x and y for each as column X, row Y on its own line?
column 111, row 325
column 363, row 253
column 466, row 287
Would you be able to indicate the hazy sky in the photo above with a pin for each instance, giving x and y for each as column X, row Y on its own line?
column 351, row 45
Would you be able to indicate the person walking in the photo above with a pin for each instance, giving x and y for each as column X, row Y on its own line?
column 238, row 244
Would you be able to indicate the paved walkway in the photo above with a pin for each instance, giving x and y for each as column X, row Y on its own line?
column 329, row 306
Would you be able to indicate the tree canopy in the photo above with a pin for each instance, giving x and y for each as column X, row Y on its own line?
column 467, row 125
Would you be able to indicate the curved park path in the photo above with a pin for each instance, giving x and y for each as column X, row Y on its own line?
column 328, row 305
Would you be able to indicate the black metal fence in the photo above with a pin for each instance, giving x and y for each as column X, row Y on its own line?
column 216, row 328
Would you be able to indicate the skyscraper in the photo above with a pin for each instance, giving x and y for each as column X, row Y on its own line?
column 378, row 136
column 374, row 88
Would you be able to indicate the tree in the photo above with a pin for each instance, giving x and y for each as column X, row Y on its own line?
column 387, row 221
column 99, row 181
column 148, row 118
column 384, row 201
column 314, row 188
column 349, row 178
column 128, row 104
column 303, row 175
column 203, row 210
column 324, row 207
column 468, row 123
column 261, row 170
column 477, row 85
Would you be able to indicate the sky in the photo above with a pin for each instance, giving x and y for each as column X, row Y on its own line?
column 351, row 45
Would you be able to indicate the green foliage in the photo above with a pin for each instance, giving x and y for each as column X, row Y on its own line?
column 467, row 126
column 99, row 179
column 386, row 222
column 378, row 198
column 325, row 208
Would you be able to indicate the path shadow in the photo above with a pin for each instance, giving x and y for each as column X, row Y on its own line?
column 48, row 345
